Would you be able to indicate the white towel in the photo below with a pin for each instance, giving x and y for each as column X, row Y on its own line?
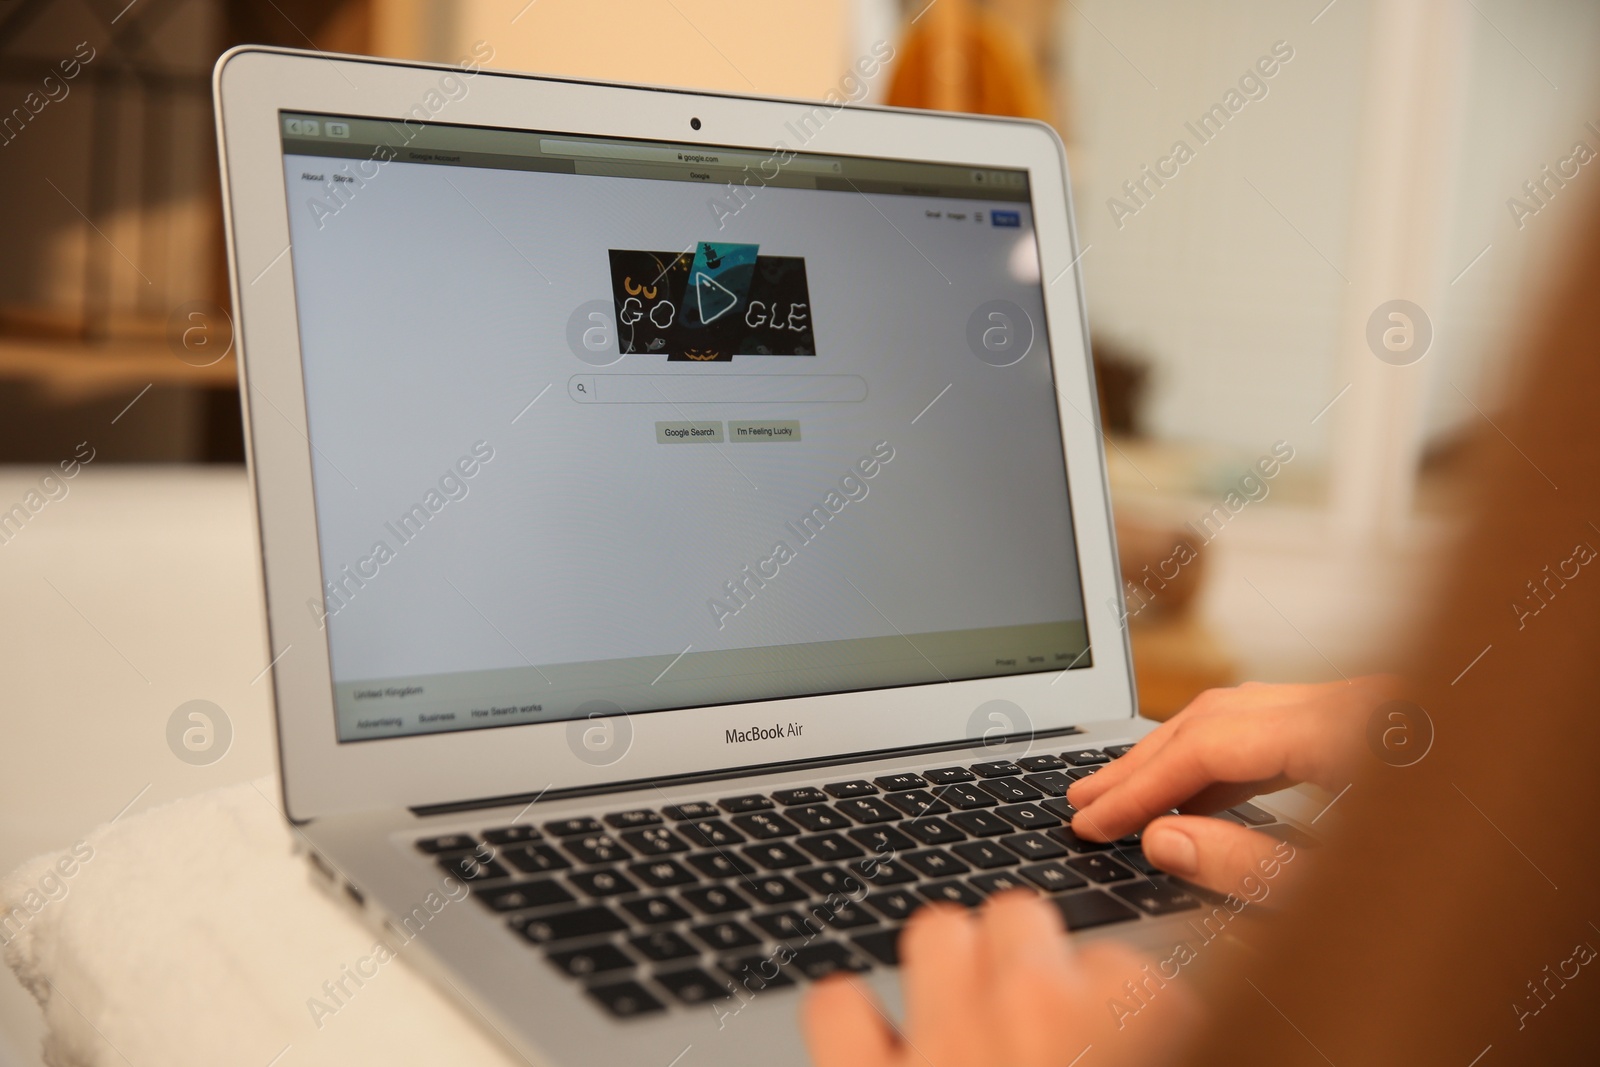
column 192, row 934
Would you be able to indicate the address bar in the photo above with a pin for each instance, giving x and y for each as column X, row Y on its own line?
column 703, row 157
column 709, row 388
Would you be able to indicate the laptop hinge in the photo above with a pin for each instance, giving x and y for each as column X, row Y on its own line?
column 733, row 772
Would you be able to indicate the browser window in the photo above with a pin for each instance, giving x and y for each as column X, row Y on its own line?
column 603, row 425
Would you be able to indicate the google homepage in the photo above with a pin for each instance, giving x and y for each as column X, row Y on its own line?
column 582, row 441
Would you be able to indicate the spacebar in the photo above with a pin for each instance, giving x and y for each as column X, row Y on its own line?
column 1091, row 908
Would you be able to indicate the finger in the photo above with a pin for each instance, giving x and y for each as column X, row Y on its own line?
column 844, row 1026
column 939, row 973
column 1018, row 927
column 1214, row 853
column 1208, row 751
column 1084, row 791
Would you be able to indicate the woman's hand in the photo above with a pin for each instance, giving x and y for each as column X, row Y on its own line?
column 999, row 987
column 1226, row 746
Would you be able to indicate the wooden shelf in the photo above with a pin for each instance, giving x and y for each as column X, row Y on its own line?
column 71, row 371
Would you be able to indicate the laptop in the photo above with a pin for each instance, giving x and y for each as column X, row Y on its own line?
column 685, row 534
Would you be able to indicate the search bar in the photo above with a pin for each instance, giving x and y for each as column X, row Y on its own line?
column 696, row 157
column 701, row 388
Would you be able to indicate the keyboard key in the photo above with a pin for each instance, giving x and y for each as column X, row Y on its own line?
column 1053, row 877
column 894, row 905
column 470, row 868
column 965, row 797
column 932, row 831
column 918, row 802
column 695, row 809
column 655, row 841
column 748, row 802
column 999, row 768
column 757, row 973
column 777, row 856
column 1156, row 897
column 625, row 999
column 948, row 775
column 845, row 790
column 1079, row 773
column 830, row 847
column 541, row 894
column 663, row 874
column 1065, row 835
column 952, row 892
column 764, row 827
column 1091, row 908
column 773, row 889
column 828, row 880
column 512, row 835
column 628, row 820
column 818, row 961
column 881, row 839
column 1086, row 757
column 1034, row 846
column 572, row 827
column 818, row 817
column 663, row 945
column 1059, row 806
column 1028, row 816
column 720, row 865
column 567, row 925
column 1010, row 790
column 845, row 916
column 712, row 833
column 603, row 883
column 1050, row 783
column 1252, row 815
column 535, row 859
column 447, row 843
column 895, row 783
column 726, row 935
column 692, row 985
column 1100, row 869
column 596, row 848
column 985, row 855
column 990, row 884
column 881, row 945
column 804, row 795
column 652, row 911
column 1118, row 751
column 868, row 810
column 596, row 959
column 1041, row 763
column 883, row 872
column 981, row 823
column 788, row 925
column 715, row 900
column 935, row 863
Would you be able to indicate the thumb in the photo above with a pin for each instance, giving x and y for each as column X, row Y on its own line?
column 1214, row 853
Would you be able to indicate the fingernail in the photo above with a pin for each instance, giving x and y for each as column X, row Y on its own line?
column 1171, row 849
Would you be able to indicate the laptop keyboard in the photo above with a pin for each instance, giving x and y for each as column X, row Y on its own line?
column 686, row 903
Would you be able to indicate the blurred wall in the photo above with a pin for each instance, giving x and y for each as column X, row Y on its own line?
column 784, row 48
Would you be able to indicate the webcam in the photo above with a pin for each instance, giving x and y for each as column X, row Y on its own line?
column 694, row 124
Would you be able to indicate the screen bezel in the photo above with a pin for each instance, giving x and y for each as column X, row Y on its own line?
column 322, row 776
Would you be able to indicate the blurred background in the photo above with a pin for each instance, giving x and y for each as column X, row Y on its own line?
column 1430, row 151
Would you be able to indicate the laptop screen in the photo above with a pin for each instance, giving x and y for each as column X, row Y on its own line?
column 602, row 425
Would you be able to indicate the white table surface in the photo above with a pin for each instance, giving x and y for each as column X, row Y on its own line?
column 134, row 593
column 139, row 591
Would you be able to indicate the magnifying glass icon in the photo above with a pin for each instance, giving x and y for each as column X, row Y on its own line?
column 581, row 388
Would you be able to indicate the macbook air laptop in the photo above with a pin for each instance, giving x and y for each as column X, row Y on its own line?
column 685, row 535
